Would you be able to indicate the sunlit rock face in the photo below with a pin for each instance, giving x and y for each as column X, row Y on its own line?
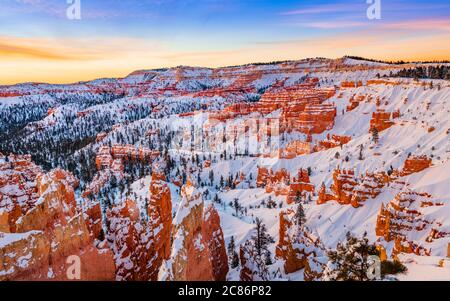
column 298, row 248
column 141, row 244
column 159, row 211
column 416, row 164
column 405, row 221
column 48, row 230
column 198, row 249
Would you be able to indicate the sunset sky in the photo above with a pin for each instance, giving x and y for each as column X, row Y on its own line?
column 115, row 37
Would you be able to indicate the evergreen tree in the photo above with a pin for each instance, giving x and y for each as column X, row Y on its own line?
column 350, row 261
column 233, row 256
column 375, row 136
column 211, row 177
column 298, row 197
column 361, row 157
column 300, row 216
column 237, row 207
column 261, row 238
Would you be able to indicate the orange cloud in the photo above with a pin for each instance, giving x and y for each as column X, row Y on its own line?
column 70, row 60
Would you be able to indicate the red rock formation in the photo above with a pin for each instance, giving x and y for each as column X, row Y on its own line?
column 403, row 218
column 141, row 244
column 351, row 84
column 296, row 244
column 277, row 182
column 369, row 187
column 343, row 183
column 18, row 190
column 212, row 231
column 160, row 219
column 381, row 120
column 302, row 108
column 315, row 119
column 4, row 223
column 348, row 189
column 197, row 239
column 93, row 217
column 110, row 161
column 295, row 148
column 101, row 136
column 263, row 177
column 299, row 185
column 49, row 230
column 415, row 164
column 125, row 234
column 324, row 196
column 103, row 158
column 332, row 142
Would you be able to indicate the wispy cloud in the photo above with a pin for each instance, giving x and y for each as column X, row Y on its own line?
column 424, row 24
column 322, row 9
column 331, row 24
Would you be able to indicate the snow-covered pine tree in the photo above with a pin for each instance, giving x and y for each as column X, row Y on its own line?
column 350, row 260
column 261, row 237
column 300, row 216
column 233, row 256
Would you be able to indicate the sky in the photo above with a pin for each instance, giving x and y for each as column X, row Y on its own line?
column 39, row 43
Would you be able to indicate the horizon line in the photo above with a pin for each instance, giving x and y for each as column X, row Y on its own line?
column 355, row 57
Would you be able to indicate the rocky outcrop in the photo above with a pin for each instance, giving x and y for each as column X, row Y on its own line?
column 129, row 239
column 369, row 187
column 141, row 244
column 381, row 120
column 404, row 220
column 280, row 183
column 106, row 155
column 332, row 142
column 212, row 230
column 110, row 163
column 302, row 108
column 197, row 241
column 415, row 164
column 344, row 182
column 350, row 189
column 160, row 218
column 351, row 84
column 296, row 245
column 299, row 186
column 48, row 231
column 18, row 190
column 295, row 148
column 277, row 182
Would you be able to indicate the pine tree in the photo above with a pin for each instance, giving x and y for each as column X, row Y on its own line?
column 211, row 177
column 216, row 199
column 261, row 238
column 375, row 135
column 300, row 216
column 237, row 207
column 361, row 157
column 233, row 256
column 350, row 261
column 298, row 197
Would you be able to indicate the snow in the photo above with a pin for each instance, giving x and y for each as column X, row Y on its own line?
column 10, row 238
column 424, row 268
column 330, row 222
